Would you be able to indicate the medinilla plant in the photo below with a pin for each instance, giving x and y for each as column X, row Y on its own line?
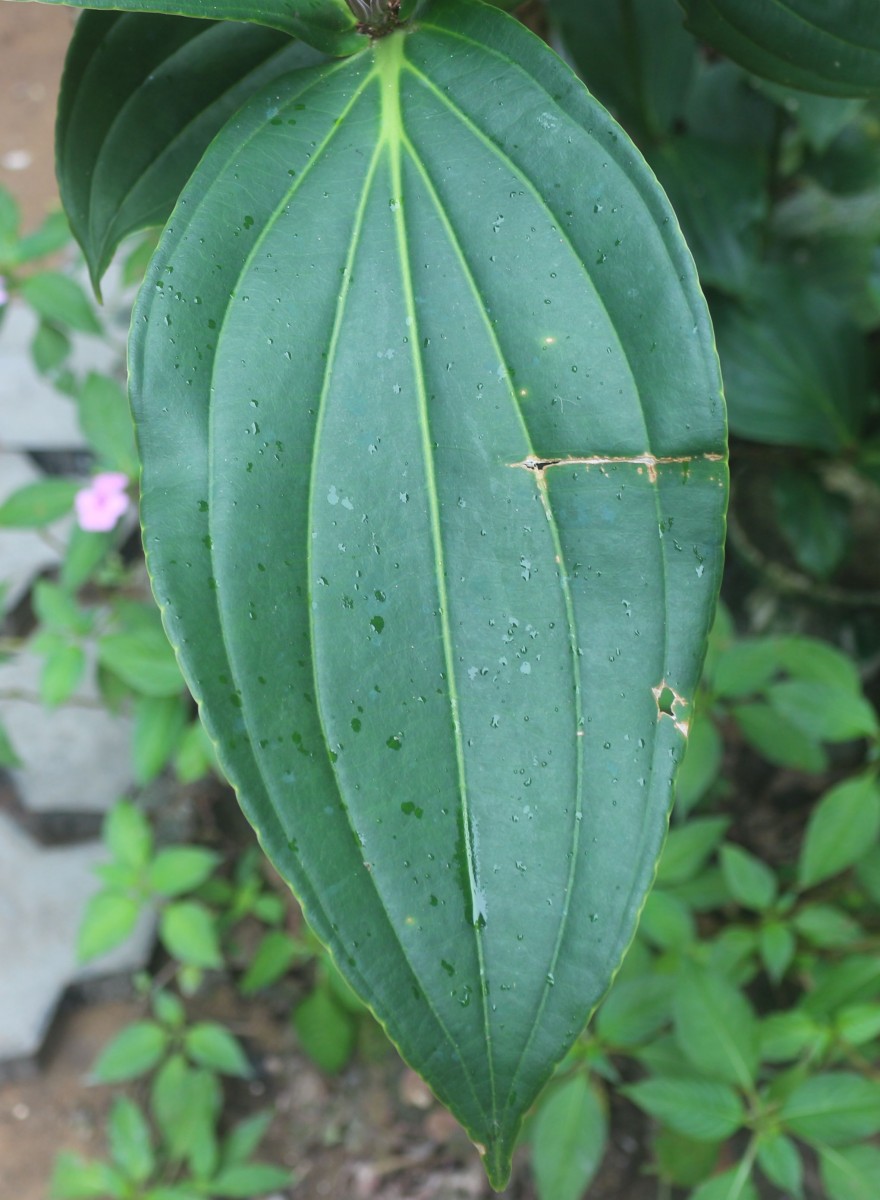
column 433, row 487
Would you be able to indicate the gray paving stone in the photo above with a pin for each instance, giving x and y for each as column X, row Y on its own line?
column 23, row 553
column 75, row 759
column 43, row 895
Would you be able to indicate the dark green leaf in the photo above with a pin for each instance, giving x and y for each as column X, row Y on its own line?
column 461, row 478
column 327, row 24
column 142, row 97
column 814, row 521
column 833, row 49
column 568, row 1140
column 636, row 58
column 718, row 195
column 794, row 366
column 833, row 1109
column 133, row 1052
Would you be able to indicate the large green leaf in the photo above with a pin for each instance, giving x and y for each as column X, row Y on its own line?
column 141, row 98
column 826, row 46
column 433, row 494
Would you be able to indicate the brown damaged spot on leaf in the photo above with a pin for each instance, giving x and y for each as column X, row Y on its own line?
column 670, row 704
column 648, row 462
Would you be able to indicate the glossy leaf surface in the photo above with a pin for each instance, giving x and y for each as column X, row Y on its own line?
column 433, row 495
column 820, row 46
column 329, row 25
column 141, row 98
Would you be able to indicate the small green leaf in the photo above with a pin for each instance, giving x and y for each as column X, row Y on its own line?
column 74, row 1178
column 708, row 1112
column 635, row 1010
column 730, row 1185
column 666, row 921
column 62, row 673
column 105, row 419
column 195, row 757
column 179, row 869
column 823, row 711
column 702, row 763
column 189, row 931
column 715, row 1027
column 859, row 1023
column 689, row 847
column 245, row 1138
column 842, row 828
column 826, row 926
column 143, row 660
column 130, row 1143
column 851, row 1172
column 569, row 1135
column 245, row 1180
column 682, row 1160
column 128, row 834
column 751, row 883
column 38, row 504
column 778, row 739
column 50, row 237
column 780, row 1160
column 58, row 610
column 833, row 1109
column 159, row 722
column 211, row 1045
column 326, row 1031
column 8, row 755
column 86, row 551
column 745, row 668
column 168, row 1009
column 61, row 300
column 777, row 945
column 785, row 1036
column 814, row 521
column 49, row 348
column 109, row 919
column 133, row 1052
column 275, row 954
column 186, row 1102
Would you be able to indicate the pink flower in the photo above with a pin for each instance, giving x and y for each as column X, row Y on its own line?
column 100, row 505
column 4, row 294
